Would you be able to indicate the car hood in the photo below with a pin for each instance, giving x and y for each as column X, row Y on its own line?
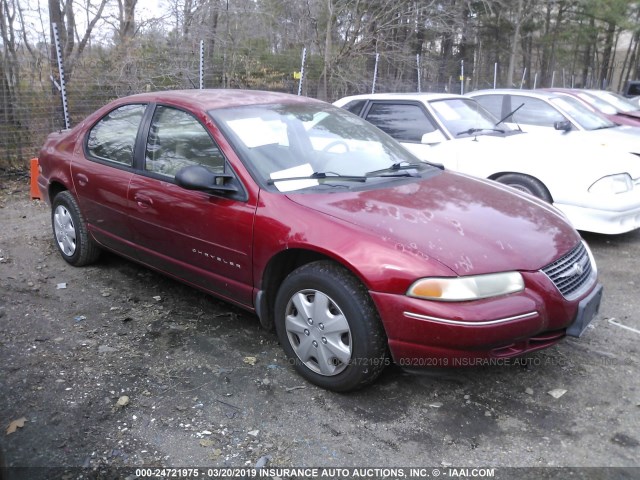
column 545, row 155
column 470, row 225
column 621, row 137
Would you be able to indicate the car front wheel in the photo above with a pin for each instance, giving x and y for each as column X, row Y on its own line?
column 526, row 184
column 329, row 327
column 70, row 231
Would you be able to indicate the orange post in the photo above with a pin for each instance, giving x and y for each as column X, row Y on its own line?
column 35, row 170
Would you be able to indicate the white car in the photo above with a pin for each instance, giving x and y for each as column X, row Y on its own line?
column 596, row 186
column 554, row 112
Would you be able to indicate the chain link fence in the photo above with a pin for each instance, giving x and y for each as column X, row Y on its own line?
column 32, row 102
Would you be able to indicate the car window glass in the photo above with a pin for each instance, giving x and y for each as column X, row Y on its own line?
column 355, row 106
column 619, row 103
column 297, row 140
column 535, row 112
column 581, row 114
column 493, row 103
column 176, row 140
column 113, row 138
column 597, row 103
column 634, row 89
column 404, row 122
column 465, row 117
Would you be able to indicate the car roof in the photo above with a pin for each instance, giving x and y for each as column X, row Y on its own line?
column 516, row 91
column 401, row 96
column 209, row 99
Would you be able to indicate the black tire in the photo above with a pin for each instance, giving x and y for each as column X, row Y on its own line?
column 353, row 327
column 70, row 231
column 526, row 184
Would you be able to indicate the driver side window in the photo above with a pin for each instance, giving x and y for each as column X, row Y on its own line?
column 176, row 140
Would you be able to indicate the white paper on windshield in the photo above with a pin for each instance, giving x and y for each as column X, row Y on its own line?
column 445, row 110
column 305, row 170
column 256, row 132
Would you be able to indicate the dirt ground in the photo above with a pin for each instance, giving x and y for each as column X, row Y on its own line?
column 114, row 365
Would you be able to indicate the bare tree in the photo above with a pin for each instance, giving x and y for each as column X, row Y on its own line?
column 62, row 13
column 127, row 19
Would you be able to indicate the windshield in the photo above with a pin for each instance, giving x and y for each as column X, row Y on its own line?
column 598, row 103
column 581, row 114
column 464, row 117
column 298, row 146
column 617, row 102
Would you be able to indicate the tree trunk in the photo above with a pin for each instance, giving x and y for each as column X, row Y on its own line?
column 127, row 28
column 606, row 55
column 515, row 41
column 323, row 90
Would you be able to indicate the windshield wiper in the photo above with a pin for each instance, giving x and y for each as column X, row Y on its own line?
column 510, row 114
column 471, row 131
column 319, row 176
column 396, row 167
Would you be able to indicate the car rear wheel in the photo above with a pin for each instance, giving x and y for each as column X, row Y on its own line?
column 329, row 327
column 70, row 231
column 526, row 184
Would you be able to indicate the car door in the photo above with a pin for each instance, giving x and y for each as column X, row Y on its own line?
column 203, row 238
column 101, row 172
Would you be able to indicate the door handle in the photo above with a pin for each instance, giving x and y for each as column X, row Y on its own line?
column 82, row 179
column 142, row 200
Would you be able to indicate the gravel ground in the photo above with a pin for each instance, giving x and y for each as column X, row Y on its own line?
column 114, row 365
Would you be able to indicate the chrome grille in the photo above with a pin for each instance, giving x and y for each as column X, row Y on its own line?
column 572, row 272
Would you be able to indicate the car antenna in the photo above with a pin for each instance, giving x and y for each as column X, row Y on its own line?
column 509, row 114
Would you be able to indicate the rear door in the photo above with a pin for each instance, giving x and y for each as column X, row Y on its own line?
column 202, row 238
column 102, row 172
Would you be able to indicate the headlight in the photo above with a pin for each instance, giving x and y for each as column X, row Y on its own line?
column 460, row 289
column 619, row 183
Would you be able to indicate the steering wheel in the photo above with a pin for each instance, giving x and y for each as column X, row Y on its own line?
column 336, row 143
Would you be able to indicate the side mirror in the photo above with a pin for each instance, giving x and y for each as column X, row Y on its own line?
column 564, row 125
column 433, row 137
column 197, row 177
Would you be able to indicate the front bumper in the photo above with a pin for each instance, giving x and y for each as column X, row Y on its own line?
column 611, row 214
column 428, row 333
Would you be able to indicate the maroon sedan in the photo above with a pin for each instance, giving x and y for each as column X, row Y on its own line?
column 323, row 226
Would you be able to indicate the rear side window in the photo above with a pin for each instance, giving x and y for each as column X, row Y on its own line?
column 113, row 138
column 176, row 139
column 493, row 103
column 355, row 106
column 404, row 122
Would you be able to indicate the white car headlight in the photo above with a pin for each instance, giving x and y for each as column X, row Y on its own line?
column 460, row 289
column 618, row 183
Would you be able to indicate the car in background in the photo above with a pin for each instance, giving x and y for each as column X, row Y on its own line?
column 615, row 107
column 596, row 186
column 632, row 89
column 323, row 226
column 540, row 111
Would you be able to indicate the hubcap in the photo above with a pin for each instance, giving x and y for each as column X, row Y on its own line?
column 319, row 332
column 65, row 230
